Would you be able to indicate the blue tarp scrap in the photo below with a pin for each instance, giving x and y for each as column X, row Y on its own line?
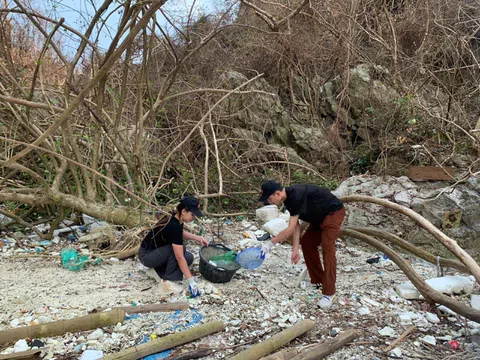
column 192, row 318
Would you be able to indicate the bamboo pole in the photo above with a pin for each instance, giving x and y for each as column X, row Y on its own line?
column 285, row 354
column 57, row 328
column 276, row 341
column 167, row 342
column 329, row 346
column 140, row 309
column 23, row 355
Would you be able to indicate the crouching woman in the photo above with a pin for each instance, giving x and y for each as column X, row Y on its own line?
column 163, row 251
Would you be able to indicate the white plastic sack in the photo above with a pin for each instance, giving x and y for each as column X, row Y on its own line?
column 285, row 216
column 275, row 226
column 267, row 213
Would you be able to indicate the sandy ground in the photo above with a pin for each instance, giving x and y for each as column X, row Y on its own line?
column 254, row 305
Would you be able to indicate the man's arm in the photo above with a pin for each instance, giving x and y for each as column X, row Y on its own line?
column 296, row 237
column 292, row 225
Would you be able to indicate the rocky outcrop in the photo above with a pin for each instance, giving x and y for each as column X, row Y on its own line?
column 456, row 211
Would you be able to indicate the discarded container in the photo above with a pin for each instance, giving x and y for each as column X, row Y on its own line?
column 263, row 237
column 250, row 258
column 454, row 344
column 218, row 271
column 267, row 213
column 373, row 260
column 275, row 226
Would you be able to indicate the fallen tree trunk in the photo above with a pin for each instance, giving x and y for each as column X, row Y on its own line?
column 167, row 342
column 276, row 341
column 57, row 328
column 140, row 309
column 329, row 346
column 449, row 243
column 426, row 290
column 285, row 354
column 425, row 255
column 127, row 253
column 23, row 355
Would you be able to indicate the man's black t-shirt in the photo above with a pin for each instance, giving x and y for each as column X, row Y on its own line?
column 162, row 234
column 311, row 203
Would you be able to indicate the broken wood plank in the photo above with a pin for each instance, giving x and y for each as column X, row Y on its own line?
column 141, row 309
column 424, row 173
column 285, row 354
column 23, row 355
column 167, row 342
column 329, row 346
column 402, row 337
column 276, row 341
column 57, row 328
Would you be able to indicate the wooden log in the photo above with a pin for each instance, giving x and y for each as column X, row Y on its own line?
column 285, row 354
column 329, row 346
column 23, row 355
column 57, row 328
column 276, row 341
column 141, row 309
column 448, row 242
column 425, row 255
column 127, row 253
column 167, row 342
column 426, row 290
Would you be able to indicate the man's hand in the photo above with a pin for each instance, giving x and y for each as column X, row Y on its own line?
column 193, row 287
column 203, row 241
column 266, row 248
column 295, row 256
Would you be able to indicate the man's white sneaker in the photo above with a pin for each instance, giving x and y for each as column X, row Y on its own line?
column 326, row 302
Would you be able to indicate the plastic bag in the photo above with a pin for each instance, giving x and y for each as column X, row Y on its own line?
column 228, row 256
column 72, row 261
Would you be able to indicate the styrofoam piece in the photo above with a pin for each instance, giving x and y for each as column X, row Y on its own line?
column 275, row 226
column 452, row 284
column 475, row 302
column 267, row 213
column 91, row 355
column 446, row 284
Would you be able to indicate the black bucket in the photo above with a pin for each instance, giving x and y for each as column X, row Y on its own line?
column 224, row 270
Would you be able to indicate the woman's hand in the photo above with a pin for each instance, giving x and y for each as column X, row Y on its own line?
column 203, row 241
column 295, row 256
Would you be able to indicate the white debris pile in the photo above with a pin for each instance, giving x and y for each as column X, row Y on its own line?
column 254, row 305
